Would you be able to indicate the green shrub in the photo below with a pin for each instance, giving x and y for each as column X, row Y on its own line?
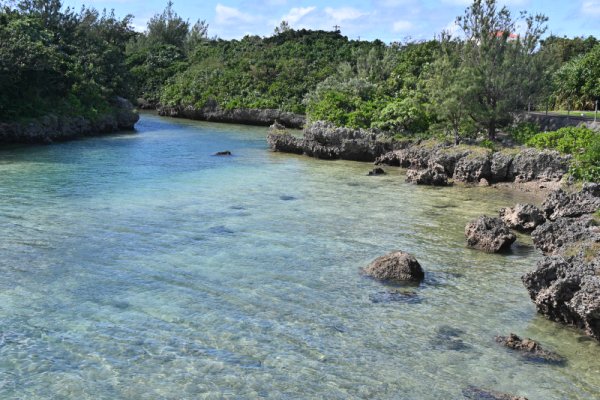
column 521, row 133
column 582, row 143
column 488, row 144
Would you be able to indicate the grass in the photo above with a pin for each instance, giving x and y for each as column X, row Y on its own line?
column 588, row 114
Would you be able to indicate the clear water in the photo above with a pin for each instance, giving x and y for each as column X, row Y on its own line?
column 138, row 266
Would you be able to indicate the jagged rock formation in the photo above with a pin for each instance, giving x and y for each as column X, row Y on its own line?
column 428, row 162
column 523, row 217
column 489, row 234
column 565, row 286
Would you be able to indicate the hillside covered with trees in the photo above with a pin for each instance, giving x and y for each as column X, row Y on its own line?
column 57, row 59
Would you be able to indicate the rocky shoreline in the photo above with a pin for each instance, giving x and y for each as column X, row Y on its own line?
column 565, row 286
column 428, row 162
column 246, row 116
column 54, row 128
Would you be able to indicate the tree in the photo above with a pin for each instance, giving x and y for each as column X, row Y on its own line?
column 283, row 27
column 447, row 85
column 498, row 63
column 168, row 28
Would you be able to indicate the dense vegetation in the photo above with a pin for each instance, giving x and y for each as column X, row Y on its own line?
column 449, row 86
column 60, row 61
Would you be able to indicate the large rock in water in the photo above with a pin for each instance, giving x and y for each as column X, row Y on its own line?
column 396, row 267
column 522, row 217
column 565, row 286
column 489, row 234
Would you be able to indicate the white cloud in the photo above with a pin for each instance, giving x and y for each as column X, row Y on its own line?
column 591, row 7
column 297, row 13
column 402, row 26
column 230, row 15
column 344, row 13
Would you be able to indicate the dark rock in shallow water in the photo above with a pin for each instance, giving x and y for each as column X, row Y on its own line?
column 476, row 393
column 396, row 267
column 287, row 198
column 376, row 171
column 522, row 217
column 449, row 338
column 530, row 349
column 222, row 153
column 395, row 297
column 221, row 230
column 489, row 234
column 560, row 204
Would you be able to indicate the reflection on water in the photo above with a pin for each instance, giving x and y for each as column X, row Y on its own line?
column 139, row 266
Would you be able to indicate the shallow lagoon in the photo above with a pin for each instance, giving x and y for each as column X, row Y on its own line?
column 140, row 266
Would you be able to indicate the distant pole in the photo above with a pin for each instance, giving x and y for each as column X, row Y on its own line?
column 547, row 101
column 337, row 28
column 596, row 112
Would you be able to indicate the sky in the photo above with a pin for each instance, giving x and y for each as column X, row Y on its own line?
column 387, row 20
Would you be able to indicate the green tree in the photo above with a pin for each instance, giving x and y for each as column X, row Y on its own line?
column 447, row 85
column 498, row 64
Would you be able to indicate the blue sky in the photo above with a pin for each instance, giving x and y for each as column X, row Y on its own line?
column 388, row 20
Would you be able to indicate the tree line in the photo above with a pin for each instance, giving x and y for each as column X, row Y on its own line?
column 58, row 59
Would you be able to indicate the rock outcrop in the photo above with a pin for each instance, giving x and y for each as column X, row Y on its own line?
column 52, row 127
column 248, row 116
column 522, row 217
column 395, row 267
column 565, row 286
column 561, row 204
column 428, row 162
column 472, row 164
column 434, row 175
column 489, row 234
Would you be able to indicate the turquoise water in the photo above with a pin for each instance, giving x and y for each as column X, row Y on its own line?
column 138, row 266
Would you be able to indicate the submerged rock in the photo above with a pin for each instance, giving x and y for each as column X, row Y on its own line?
column 395, row 297
column 523, row 217
column 489, row 234
column 449, row 338
column 530, row 349
column 222, row 153
column 396, row 267
column 476, row 393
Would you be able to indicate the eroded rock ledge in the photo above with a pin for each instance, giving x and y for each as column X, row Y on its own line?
column 247, row 116
column 52, row 128
column 428, row 162
column 565, row 286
